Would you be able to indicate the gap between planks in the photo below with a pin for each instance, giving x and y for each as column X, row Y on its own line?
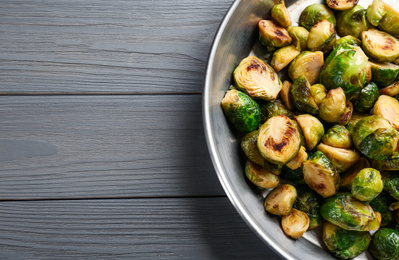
column 99, row 93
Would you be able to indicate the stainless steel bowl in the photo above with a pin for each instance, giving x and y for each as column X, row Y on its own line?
column 237, row 38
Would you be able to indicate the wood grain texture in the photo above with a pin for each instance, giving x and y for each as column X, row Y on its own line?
column 104, row 146
column 127, row 229
column 106, row 46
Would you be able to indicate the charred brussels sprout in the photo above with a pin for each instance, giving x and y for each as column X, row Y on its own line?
column 283, row 56
column 392, row 90
column 380, row 46
column 261, row 177
column 320, row 175
column 338, row 136
column 285, row 95
column 375, row 12
column 391, row 184
column 269, row 109
column 381, row 204
column 308, row 64
column 257, row 79
column 312, row 129
column 384, row 74
column 348, row 39
column 280, row 200
column 342, row 159
column 385, row 244
column 348, row 176
column 318, row 92
column 322, row 36
column 332, row 108
column 272, row 35
column 315, row 13
column 342, row 5
column 309, row 202
column 281, row 15
column 242, row 111
column 299, row 37
column 349, row 213
column 278, row 140
column 388, row 108
column 301, row 96
column 352, row 22
column 295, row 223
column 345, row 67
column 390, row 21
column 299, row 158
column 367, row 97
column 346, row 117
column 367, row 185
column 345, row 244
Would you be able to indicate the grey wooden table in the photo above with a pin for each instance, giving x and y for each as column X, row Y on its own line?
column 102, row 150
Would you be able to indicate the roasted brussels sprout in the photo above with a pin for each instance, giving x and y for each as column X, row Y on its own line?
column 285, row 95
column 242, row 111
column 332, row 108
column 322, row 36
column 346, row 117
column 391, row 164
column 299, row 37
column 302, row 97
column 349, row 213
column 390, row 21
column 338, row 136
column 391, row 184
column 280, row 200
column 345, row 244
column 375, row 12
column 352, row 22
column 392, row 90
column 368, row 72
column 380, row 46
column 381, row 204
column 283, row 56
column 388, row 108
column 281, row 15
column 318, row 92
column 294, row 176
column 367, row 185
column 381, row 144
column 312, row 129
column 269, row 109
column 348, row 176
column 261, row 177
column 384, row 74
column 367, row 97
column 308, row 64
column 385, row 244
column 348, row 39
column 320, row 175
column 279, row 140
column 309, row 202
column 345, row 67
column 353, row 121
column 257, row 79
column 272, row 35
column 299, row 158
column 295, row 223
column 315, row 13
column 342, row 159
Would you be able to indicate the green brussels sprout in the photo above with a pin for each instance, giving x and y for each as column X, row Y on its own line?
column 388, row 108
column 345, row 67
column 366, row 126
column 272, row 35
column 349, row 213
column 390, row 21
column 367, row 97
column 312, row 129
column 299, row 37
column 309, row 202
column 353, row 121
column 295, row 223
column 381, row 144
column 269, row 109
column 302, row 97
column 348, row 176
column 308, row 64
column 279, row 140
column 314, row 13
column 384, row 74
column 332, row 108
column 260, row 177
column 283, row 56
column 280, row 200
column 280, row 13
column 381, row 204
column 320, row 175
column 345, row 244
column 353, row 22
column 338, row 136
column 392, row 90
column 346, row 117
column 380, row 46
column 391, row 184
column 299, row 158
column 375, row 12
column 385, row 244
column 285, row 95
column 322, row 36
column 348, row 39
column 257, row 79
column 342, row 159
column 294, row 176
column 318, row 92
column 367, row 185
column 242, row 111
column 392, row 164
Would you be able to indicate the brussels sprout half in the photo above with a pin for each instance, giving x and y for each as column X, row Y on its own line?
column 391, row 184
column 348, row 176
column 381, row 204
column 261, row 177
column 375, row 12
column 384, row 74
column 348, row 39
column 318, row 92
column 309, row 202
column 352, row 22
column 308, row 64
column 280, row 200
column 322, row 36
column 299, row 158
column 349, row 213
column 272, row 35
column 312, row 129
column 332, row 108
column 381, row 144
column 301, row 96
column 337, row 136
column 385, row 244
column 367, row 97
column 367, row 185
column 285, row 95
column 345, row 244
column 242, row 111
column 380, row 46
column 342, row 159
column 390, row 21
column 295, row 223
column 388, row 108
column 367, row 125
column 314, row 13
column 257, row 79
column 299, row 37
column 392, row 90
column 280, row 13
column 283, row 56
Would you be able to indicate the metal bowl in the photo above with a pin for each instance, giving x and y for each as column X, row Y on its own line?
column 237, row 38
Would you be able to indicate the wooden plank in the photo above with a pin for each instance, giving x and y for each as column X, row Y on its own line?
column 106, row 46
column 202, row 228
column 104, row 146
